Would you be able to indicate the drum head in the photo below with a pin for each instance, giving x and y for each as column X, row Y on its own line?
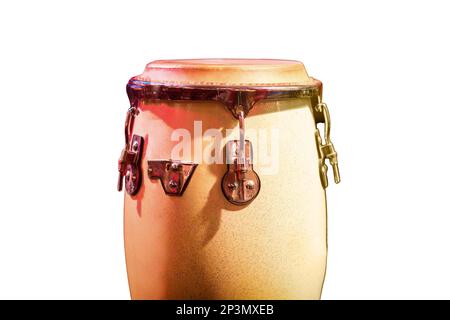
column 227, row 72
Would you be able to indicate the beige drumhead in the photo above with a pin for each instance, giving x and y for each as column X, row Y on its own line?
column 227, row 72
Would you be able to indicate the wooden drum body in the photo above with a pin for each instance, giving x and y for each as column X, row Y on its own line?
column 197, row 244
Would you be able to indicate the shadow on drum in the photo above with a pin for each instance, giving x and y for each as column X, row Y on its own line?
column 216, row 202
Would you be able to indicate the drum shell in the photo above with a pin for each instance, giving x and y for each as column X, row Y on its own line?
column 200, row 246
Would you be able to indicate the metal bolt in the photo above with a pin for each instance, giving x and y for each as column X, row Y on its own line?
column 135, row 145
column 175, row 166
column 173, row 184
column 231, row 186
column 250, row 184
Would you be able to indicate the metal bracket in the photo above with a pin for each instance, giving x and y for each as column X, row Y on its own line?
column 234, row 98
column 173, row 174
column 240, row 184
column 129, row 166
column 325, row 147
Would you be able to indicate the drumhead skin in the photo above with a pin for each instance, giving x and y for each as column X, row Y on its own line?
column 200, row 245
column 227, row 72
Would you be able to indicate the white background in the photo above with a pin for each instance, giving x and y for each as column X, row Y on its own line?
column 63, row 70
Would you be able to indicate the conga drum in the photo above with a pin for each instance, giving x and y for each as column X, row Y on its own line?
column 224, row 170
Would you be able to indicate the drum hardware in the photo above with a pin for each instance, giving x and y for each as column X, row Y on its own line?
column 245, row 100
column 240, row 184
column 231, row 97
column 130, row 158
column 325, row 147
column 173, row 174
